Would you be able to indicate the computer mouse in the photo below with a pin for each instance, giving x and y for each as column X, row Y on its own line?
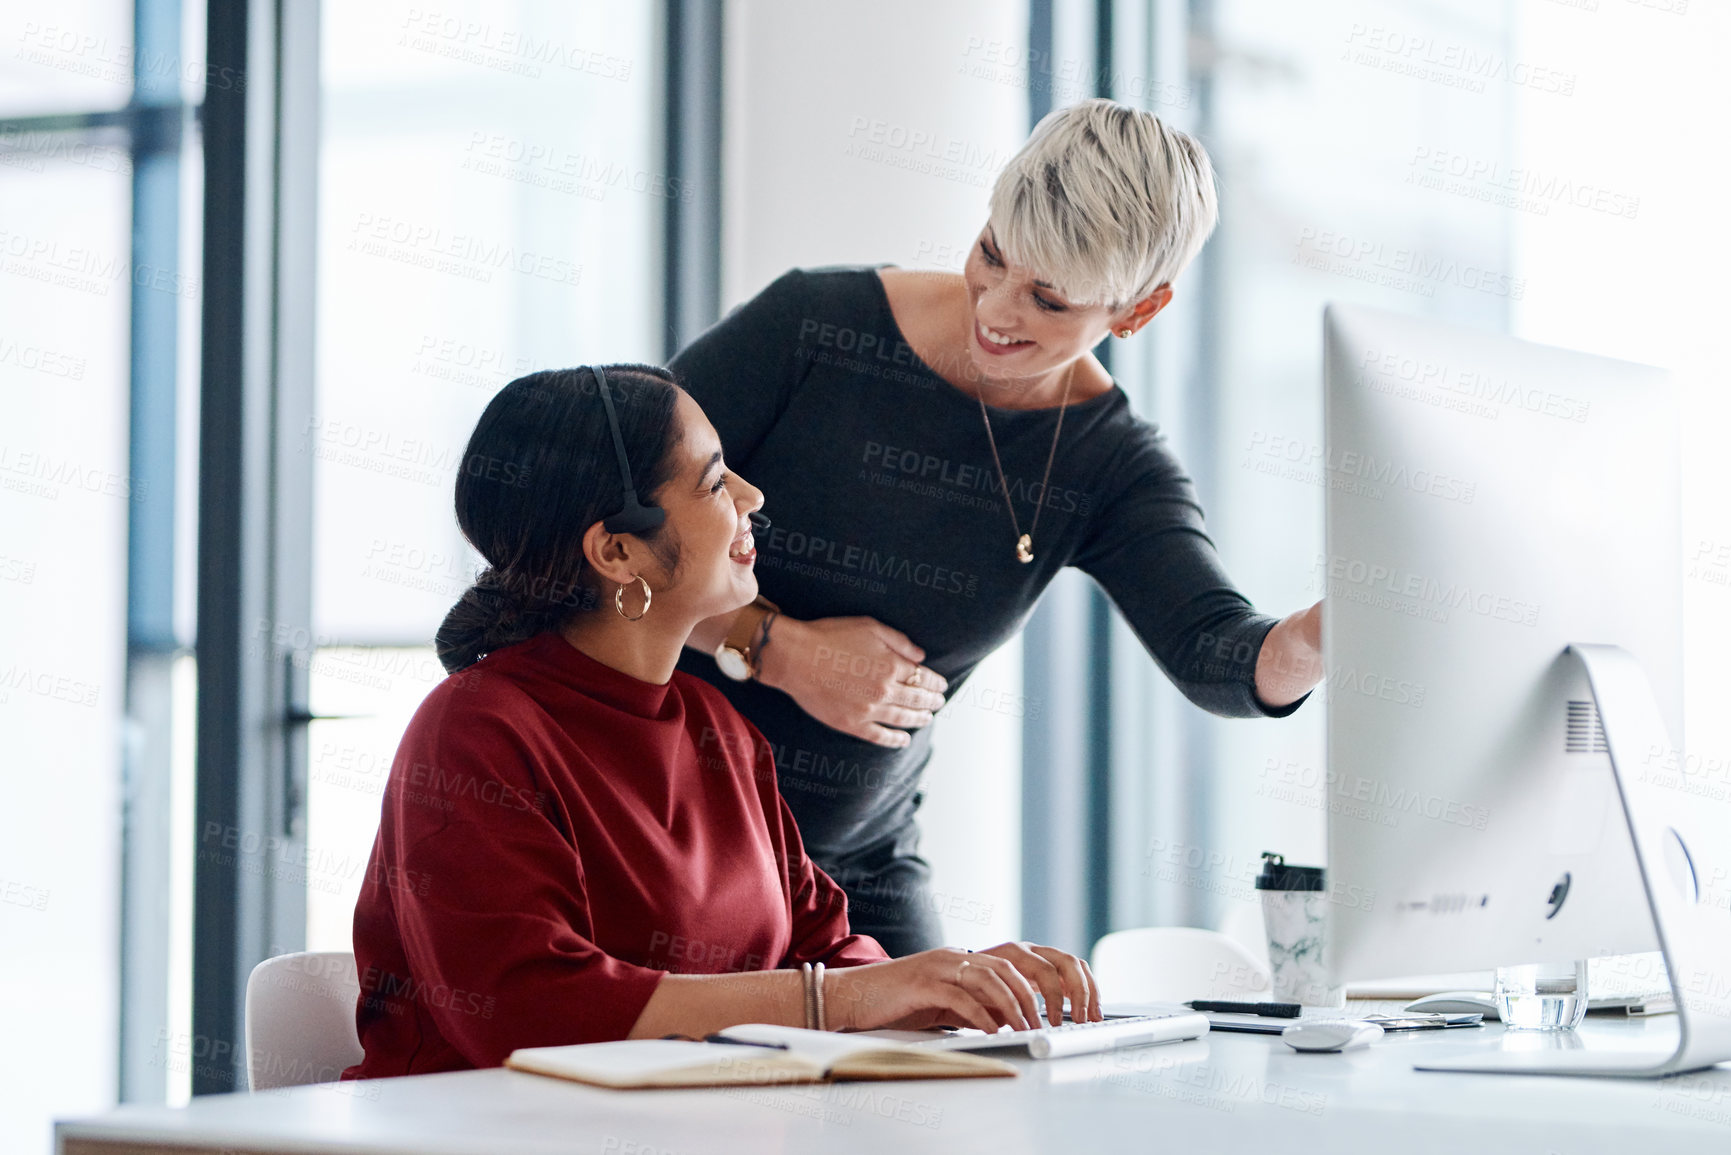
column 1331, row 1035
column 1456, row 1003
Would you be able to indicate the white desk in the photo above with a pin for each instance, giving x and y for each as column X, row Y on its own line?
column 1226, row 1092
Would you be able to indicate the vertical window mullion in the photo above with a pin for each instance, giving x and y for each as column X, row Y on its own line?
column 254, row 566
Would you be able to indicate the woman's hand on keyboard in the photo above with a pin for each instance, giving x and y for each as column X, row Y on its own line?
column 946, row 987
column 1058, row 975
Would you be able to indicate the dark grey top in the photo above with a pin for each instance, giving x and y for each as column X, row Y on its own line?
column 884, row 500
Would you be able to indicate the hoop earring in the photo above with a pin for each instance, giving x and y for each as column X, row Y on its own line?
column 619, row 600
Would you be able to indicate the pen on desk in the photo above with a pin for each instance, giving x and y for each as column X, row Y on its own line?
column 1266, row 1010
column 720, row 1038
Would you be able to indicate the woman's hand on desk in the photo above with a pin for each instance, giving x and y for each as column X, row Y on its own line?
column 984, row 989
column 855, row 675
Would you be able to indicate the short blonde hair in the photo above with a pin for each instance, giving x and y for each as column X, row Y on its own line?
column 1104, row 201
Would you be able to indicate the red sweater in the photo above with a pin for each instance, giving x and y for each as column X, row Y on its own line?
column 556, row 836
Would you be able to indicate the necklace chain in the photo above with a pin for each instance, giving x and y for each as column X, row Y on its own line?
column 1025, row 541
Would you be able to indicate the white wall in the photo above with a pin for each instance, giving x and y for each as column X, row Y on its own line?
column 857, row 132
column 865, row 133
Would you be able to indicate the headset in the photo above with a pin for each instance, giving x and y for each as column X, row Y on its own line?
column 635, row 517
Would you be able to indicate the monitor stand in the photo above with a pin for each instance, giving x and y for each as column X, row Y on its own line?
column 1675, row 843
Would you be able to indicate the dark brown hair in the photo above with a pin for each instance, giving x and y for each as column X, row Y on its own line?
column 539, row 470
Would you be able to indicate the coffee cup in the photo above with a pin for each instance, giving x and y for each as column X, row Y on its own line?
column 1295, row 920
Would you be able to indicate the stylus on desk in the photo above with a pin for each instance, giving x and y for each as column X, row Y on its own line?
column 1266, row 1010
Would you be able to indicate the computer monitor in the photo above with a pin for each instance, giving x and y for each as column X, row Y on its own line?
column 1489, row 503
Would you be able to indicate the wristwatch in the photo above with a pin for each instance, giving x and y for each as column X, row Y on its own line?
column 738, row 653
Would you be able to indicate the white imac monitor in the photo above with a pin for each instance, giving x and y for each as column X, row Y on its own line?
column 1489, row 503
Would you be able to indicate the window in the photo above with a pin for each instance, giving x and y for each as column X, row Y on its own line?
column 1533, row 169
column 491, row 202
column 98, row 319
column 63, row 461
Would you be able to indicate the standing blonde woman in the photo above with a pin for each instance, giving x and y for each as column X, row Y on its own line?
column 933, row 449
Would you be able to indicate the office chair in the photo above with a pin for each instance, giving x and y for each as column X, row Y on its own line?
column 300, row 1019
column 1171, row 964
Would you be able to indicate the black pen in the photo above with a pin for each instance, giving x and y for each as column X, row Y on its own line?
column 1266, row 1010
column 719, row 1038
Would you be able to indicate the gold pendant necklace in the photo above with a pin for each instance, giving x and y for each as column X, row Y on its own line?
column 1025, row 541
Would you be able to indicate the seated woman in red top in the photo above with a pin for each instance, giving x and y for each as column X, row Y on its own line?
column 579, row 843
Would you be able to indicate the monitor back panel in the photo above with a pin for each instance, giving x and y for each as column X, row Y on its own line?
column 1489, row 502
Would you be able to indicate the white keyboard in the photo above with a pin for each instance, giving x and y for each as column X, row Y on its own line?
column 1082, row 1038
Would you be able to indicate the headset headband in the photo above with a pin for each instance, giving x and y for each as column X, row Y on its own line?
column 635, row 517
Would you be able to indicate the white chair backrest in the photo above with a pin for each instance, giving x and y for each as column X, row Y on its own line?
column 1242, row 923
column 1173, row 964
column 300, row 1019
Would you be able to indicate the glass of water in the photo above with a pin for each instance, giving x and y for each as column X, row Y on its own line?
column 1542, row 996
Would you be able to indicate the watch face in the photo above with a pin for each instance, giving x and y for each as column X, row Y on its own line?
column 732, row 663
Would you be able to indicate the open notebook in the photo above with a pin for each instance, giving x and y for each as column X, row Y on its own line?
column 762, row 1054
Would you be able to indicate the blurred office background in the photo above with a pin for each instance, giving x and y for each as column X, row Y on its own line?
column 262, row 265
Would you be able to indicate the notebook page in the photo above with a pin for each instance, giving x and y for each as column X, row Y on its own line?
column 636, row 1060
column 822, row 1047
